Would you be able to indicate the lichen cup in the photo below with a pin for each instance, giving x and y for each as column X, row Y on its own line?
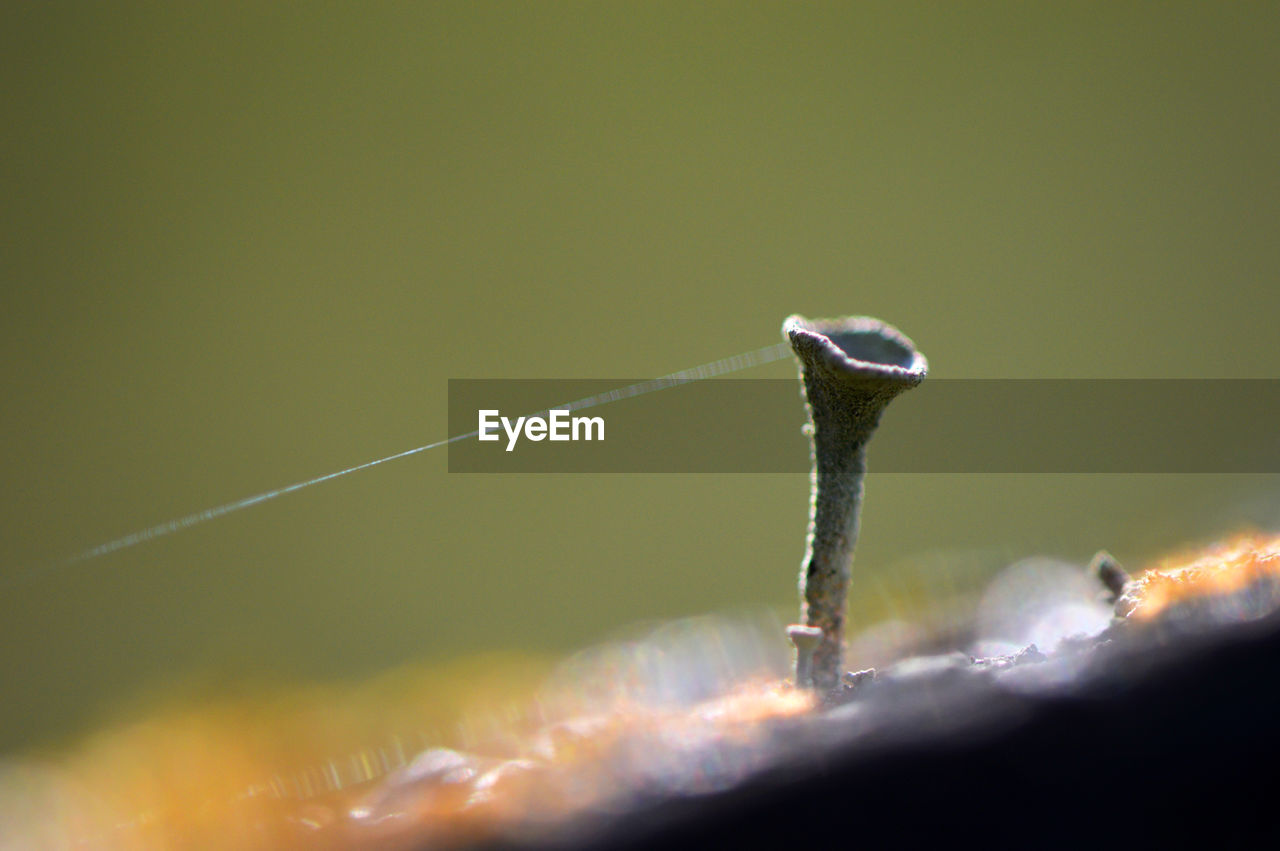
column 851, row 369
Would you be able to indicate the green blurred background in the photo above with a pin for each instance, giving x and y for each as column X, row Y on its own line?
column 247, row 243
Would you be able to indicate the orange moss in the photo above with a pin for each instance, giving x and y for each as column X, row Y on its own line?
column 269, row 770
column 1223, row 568
column 296, row 771
column 282, row 772
column 568, row 767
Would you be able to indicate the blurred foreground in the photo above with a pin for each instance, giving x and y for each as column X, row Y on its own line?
column 696, row 722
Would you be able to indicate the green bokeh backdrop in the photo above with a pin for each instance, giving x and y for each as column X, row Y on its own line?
column 244, row 244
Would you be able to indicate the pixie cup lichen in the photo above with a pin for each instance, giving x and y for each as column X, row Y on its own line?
column 851, row 369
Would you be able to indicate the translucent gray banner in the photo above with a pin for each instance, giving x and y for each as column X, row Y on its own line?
column 943, row 426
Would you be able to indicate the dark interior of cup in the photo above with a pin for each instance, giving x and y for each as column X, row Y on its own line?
column 873, row 347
